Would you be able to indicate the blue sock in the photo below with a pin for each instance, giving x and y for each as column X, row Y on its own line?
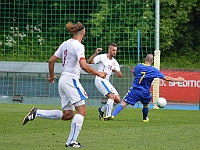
column 117, row 110
column 145, row 111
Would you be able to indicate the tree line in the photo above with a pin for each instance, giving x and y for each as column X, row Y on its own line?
column 32, row 30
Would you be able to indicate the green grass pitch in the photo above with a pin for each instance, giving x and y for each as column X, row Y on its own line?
column 167, row 130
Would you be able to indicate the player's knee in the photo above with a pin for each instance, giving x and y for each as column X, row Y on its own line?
column 81, row 109
column 81, row 112
column 117, row 98
column 145, row 105
column 68, row 114
column 111, row 96
column 117, row 101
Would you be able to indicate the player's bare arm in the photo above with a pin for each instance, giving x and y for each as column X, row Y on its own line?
column 178, row 79
column 87, row 68
column 91, row 59
column 119, row 73
column 52, row 61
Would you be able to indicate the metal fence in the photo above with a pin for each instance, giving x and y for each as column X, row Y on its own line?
column 32, row 30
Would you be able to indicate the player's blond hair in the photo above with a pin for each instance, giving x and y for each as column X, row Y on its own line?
column 74, row 28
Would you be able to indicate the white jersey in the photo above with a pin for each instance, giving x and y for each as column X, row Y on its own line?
column 71, row 51
column 106, row 65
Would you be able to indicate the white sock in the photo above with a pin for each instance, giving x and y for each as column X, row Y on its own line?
column 76, row 125
column 49, row 114
column 109, row 107
column 103, row 109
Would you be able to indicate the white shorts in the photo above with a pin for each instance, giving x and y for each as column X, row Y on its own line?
column 71, row 92
column 104, row 86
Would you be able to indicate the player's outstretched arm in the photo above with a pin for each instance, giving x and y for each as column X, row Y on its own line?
column 91, row 59
column 178, row 79
column 119, row 73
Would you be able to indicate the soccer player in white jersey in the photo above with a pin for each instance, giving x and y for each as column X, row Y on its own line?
column 72, row 94
column 106, row 62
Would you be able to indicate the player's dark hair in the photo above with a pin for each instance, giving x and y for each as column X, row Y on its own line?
column 113, row 44
column 74, row 28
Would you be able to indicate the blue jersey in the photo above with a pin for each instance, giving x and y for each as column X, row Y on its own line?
column 140, row 90
column 144, row 76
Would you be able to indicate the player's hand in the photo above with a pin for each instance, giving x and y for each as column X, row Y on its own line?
column 180, row 79
column 114, row 70
column 98, row 50
column 102, row 74
column 51, row 80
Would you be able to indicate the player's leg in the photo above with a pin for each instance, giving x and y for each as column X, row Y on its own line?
column 129, row 98
column 107, row 89
column 65, row 87
column 104, row 90
column 55, row 114
column 117, row 98
column 145, row 109
column 51, row 114
column 109, row 104
column 76, row 95
column 119, row 108
column 113, row 97
column 48, row 114
column 76, row 124
column 66, row 114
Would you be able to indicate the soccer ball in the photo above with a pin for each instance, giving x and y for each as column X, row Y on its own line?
column 161, row 102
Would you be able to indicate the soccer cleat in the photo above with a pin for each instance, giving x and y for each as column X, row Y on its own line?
column 108, row 118
column 30, row 116
column 155, row 106
column 100, row 114
column 147, row 120
column 74, row 145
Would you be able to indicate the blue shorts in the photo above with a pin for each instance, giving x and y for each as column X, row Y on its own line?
column 135, row 95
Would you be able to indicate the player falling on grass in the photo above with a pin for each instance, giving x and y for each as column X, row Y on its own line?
column 107, row 63
column 144, row 74
column 72, row 94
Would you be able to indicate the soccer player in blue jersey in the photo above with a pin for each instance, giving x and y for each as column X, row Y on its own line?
column 144, row 74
